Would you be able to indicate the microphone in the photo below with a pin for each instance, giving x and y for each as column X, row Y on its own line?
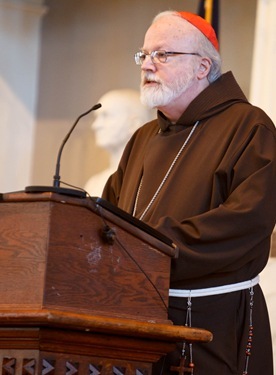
column 56, row 181
column 56, row 178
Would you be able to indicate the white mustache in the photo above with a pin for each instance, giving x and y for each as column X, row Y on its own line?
column 149, row 77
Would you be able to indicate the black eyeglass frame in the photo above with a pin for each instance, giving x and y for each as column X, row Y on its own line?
column 141, row 56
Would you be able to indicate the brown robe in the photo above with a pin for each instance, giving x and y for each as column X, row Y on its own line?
column 218, row 205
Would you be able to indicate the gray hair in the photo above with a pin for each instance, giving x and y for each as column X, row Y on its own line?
column 205, row 47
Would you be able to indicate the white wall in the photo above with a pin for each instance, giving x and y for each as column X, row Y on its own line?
column 19, row 63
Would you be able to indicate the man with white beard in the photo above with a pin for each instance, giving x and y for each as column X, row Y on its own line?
column 204, row 174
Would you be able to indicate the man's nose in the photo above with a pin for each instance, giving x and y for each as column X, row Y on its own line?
column 148, row 64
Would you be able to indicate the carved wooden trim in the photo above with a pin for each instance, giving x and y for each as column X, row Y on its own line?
column 16, row 362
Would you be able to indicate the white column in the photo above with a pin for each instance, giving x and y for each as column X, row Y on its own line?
column 19, row 66
column 263, row 82
column 263, row 79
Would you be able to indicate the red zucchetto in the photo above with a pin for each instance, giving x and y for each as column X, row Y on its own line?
column 202, row 25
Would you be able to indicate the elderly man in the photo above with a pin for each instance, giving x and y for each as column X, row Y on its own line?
column 204, row 174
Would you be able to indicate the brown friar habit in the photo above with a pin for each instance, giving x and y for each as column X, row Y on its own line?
column 218, row 205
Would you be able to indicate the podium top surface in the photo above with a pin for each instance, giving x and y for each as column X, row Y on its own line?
column 104, row 209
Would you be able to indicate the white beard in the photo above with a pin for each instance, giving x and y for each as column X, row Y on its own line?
column 162, row 94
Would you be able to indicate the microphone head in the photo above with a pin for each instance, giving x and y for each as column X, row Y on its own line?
column 96, row 106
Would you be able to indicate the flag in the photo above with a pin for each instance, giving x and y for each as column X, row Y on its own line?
column 209, row 10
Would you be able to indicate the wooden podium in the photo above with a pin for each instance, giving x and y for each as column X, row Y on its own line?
column 83, row 289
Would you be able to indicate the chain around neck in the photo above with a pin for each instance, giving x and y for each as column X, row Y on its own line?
column 164, row 179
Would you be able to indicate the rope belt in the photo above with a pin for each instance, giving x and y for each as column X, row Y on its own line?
column 214, row 290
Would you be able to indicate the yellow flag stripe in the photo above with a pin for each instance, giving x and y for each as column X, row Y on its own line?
column 208, row 10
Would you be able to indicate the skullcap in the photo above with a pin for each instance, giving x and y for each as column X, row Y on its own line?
column 202, row 25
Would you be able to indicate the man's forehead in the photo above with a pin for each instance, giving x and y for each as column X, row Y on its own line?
column 170, row 31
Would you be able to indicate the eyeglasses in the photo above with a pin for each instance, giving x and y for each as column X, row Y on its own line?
column 158, row 56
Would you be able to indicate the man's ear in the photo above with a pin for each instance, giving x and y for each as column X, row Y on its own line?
column 204, row 67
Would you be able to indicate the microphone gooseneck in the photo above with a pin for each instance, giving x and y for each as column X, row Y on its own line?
column 55, row 188
column 56, row 181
